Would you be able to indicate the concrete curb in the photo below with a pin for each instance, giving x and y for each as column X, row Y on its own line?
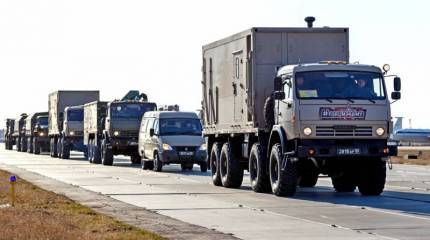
column 140, row 217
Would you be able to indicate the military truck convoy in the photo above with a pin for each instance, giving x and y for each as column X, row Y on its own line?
column 316, row 116
column 283, row 103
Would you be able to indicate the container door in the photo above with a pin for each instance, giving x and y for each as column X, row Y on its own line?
column 238, row 85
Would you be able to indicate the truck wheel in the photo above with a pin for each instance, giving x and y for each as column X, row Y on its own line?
column 107, row 156
column 372, row 178
column 308, row 179
column 59, row 148
column 96, row 153
column 135, row 158
column 90, row 148
column 214, row 164
column 147, row 165
column 36, row 146
column 204, row 166
column 18, row 145
column 158, row 165
column 65, row 149
column 282, row 179
column 30, row 145
column 345, row 182
column 230, row 169
column 269, row 114
column 258, row 169
column 23, row 144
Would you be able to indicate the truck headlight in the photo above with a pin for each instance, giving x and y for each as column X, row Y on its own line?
column 380, row 131
column 203, row 147
column 166, row 147
column 41, row 134
column 72, row 133
column 307, row 131
column 116, row 133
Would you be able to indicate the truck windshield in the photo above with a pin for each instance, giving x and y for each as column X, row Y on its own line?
column 339, row 85
column 75, row 115
column 180, row 126
column 42, row 121
column 131, row 110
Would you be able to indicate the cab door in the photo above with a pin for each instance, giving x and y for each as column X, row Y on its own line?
column 147, row 143
column 284, row 109
column 142, row 135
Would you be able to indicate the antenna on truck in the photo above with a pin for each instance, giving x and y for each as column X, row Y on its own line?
column 310, row 21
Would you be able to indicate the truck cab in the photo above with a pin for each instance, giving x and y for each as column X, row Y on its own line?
column 335, row 119
column 19, row 132
column 120, row 135
column 73, row 132
column 36, row 132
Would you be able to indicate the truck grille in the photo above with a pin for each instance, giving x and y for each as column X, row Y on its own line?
column 344, row 131
column 129, row 134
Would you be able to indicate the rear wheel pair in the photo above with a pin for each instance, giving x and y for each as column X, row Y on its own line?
column 94, row 155
column 63, row 149
column 106, row 153
column 225, row 167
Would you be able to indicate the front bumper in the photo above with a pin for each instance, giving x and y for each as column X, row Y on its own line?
column 124, row 143
column 173, row 156
column 341, row 148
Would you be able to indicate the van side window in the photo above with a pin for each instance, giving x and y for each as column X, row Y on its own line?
column 143, row 125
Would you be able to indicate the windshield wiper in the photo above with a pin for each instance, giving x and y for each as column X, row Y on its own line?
column 343, row 98
column 328, row 100
column 363, row 98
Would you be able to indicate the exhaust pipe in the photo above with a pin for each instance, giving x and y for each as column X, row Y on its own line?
column 310, row 21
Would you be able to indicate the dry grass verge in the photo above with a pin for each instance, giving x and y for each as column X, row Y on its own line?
column 40, row 214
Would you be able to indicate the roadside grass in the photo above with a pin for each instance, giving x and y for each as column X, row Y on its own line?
column 40, row 214
column 423, row 159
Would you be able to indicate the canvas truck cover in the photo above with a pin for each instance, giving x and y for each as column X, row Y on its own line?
column 238, row 71
column 59, row 100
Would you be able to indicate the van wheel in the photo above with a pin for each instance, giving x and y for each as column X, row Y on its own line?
column 258, row 169
column 283, row 179
column 107, row 156
column 214, row 164
column 230, row 169
column 158, row 165
column 372, row 178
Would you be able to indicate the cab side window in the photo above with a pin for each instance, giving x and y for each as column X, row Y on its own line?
column 149, row 124
column 288, row 87
column 143, row 125
column 156, row 132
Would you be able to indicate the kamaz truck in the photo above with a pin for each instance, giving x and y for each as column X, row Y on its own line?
column 113, row 128
column 8, row 138
column 66, row 121
column 285, row 104
column 36, row 133
column 19, row 132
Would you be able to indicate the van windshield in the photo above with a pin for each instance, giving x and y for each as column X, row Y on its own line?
column 75, row 115
column 180, row 126
column 339, row 85
column 131, row 110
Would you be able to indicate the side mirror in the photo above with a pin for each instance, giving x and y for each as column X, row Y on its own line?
column 151, row 132
column 396, row 95
column 277, row 83
column 279, row 95
column 397, row 84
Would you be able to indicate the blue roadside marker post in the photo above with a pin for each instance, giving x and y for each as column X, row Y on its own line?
column 12, row 181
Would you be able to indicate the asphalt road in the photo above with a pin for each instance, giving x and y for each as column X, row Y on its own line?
column 401, row 212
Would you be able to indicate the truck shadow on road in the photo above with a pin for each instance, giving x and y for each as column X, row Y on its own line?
column 403, row 202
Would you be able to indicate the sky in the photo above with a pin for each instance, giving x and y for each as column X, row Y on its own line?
column 155, row 46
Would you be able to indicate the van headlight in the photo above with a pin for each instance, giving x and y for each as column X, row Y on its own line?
column 203, row 147
column 166, row 147
column 307, row 131
column 116, row 133
column 380, row 131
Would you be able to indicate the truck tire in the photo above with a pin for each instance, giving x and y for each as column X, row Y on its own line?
column 65, row 149
column 258, row 169
column 18, row 144
column 6, row 144
column 230, row 169
column 30, row 145
column 214, row 164
column 107, row 156
column 24, row 144
column 90, row 148
column 53, row 147
column 158, row 165
column 372, row 178
column 269, row 114
column 308, row 179
column 204, row 166
column 60, row 148
column 147, row 165
column 36, row 146
column 97, row 159
column 283, row 181
column 135, row 158
column 345, row 182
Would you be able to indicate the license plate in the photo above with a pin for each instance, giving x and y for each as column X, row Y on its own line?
column 348, row 151
column 186, row 153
